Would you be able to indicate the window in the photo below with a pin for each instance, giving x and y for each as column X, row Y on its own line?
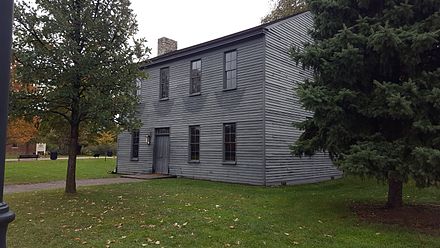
column 135, row 144
column 194, row 143
column 230, row 76
column 196, row 77
column 164, row 83
column 138, row 88
column 163, row 131
column 229, row 142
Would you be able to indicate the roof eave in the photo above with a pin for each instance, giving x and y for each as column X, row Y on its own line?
column 203, row 47
column 216, row 43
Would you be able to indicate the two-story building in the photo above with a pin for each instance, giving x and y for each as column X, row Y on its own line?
column 223, row 110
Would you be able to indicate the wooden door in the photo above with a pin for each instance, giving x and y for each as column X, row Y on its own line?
column 161, row 151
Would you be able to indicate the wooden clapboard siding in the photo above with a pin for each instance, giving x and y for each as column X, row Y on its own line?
column 210, row 110
column 263, row 106
column 282, row 107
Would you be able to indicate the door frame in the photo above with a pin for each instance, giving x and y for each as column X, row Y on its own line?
column 156, row 134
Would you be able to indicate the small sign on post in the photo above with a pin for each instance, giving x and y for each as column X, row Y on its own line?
column 41, row 148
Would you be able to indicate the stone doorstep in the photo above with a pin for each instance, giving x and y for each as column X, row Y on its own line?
column 146, row 176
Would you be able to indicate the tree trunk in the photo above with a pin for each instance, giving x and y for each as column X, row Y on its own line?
column 395, row 186
column 75, row 104
column 71, row 164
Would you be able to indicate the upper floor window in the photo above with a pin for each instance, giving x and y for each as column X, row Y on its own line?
column 196, row 77
column 230, row 74
column 194, row 143
column 135, row 144
column 164, row 83
column 138, row 88
column 229, row 142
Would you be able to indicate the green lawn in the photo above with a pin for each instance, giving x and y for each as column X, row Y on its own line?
column 8, row 156
column 48, row 170
column 190, row 213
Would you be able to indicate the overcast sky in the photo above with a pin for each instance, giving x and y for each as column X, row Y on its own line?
column 191, row 22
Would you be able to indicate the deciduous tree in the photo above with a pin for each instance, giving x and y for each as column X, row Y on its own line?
column 376, row 90
column 106, row 137
column 81, row 57
column 283, row 8
column 21, row 131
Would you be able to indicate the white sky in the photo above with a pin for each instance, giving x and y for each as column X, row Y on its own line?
column 191, row 22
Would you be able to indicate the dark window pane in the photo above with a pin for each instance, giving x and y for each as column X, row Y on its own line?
column 233, row 64
column 135, row 144
column 230, row 70
column 228, row 57
column 195, row 76
column 162, row 131
column 164, row 82
column 229, row 142
column 233, row 83
column 194, row 142
column 233, row 55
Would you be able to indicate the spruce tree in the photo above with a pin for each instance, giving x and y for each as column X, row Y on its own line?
column 375, row 94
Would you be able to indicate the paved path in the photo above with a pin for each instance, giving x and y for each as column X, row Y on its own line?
column 60, row 158
column 16, row 188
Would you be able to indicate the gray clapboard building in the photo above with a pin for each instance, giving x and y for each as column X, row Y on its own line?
column 223, row 110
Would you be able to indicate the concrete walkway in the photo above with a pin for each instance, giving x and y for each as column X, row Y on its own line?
column 60, row 158
column 16, row 188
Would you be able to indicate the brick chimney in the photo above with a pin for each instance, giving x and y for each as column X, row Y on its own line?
column 165, row 45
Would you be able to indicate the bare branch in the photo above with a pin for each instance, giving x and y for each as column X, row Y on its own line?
column 60, row 113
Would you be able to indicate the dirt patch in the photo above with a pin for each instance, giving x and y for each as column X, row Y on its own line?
column 422, row 218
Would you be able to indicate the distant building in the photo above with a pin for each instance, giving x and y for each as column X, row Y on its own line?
column 223, row 110
column 17, row 149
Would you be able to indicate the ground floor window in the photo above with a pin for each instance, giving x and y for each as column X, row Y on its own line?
column 135, row 144
column 229, row 142
column 194, row 143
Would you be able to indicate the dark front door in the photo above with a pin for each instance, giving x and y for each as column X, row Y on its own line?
column 161, row 151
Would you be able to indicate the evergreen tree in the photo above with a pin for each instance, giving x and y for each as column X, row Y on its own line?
column 81, row 58
column 376, row 90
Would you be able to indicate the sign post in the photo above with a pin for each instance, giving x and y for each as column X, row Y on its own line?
column 40, row 148
column 6, row 9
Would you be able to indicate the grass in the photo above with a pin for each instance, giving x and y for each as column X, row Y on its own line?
column 9, row 156
column 190, row 213
column 53, row 170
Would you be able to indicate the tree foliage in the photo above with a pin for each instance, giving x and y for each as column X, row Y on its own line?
column 81, row 57
column 283, row 8
column 376, row 90
column 52, row 131
column 107, row 137
column 21, row 131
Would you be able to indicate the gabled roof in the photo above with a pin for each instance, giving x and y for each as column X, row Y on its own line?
column 202, row 47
